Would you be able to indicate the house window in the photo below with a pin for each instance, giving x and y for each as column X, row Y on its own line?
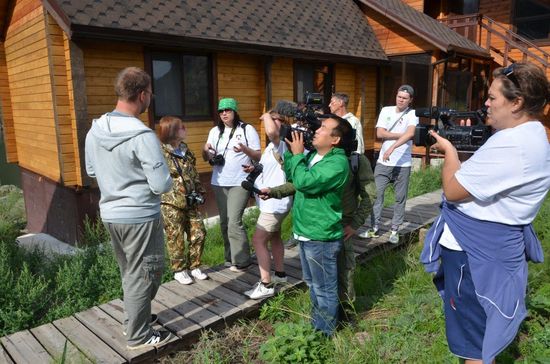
column 313, row 77
column 413, row 70
column 532, row 19
column 182, row 84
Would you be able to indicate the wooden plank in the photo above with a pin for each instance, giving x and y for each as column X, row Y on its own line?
column 4, row 357
column 171, row 320
column 203, row 299
column 24, row 348
column 218, row 289
column 54, row 342
column 110, row 331
column 92, row 346
column 188, row 309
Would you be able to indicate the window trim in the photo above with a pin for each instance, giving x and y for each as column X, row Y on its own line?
column 514, row 19
column 180, row 53
column 331, row 75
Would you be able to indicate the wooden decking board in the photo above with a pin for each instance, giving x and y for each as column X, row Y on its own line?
column 24, row 348
column 188, row 309
column 202, row 299
column 4, row 356
column 95, row 335
column 110, row 331
column 87, row 342
column 54, row 342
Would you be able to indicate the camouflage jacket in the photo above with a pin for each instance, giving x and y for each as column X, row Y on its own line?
column 184, row 174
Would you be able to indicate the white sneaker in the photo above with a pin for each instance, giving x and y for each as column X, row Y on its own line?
column 198, row 274
column 183, row 277
column 394, row 237
column 369, row 234
column 277, row 279
column 158, row 337
column 260, row 291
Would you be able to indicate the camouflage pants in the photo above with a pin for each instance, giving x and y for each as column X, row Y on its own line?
column 179, row 224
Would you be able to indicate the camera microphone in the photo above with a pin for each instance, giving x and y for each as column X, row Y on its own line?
column 286, row 108
column 249, row 186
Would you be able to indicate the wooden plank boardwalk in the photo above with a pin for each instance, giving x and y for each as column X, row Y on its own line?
column 95, row 335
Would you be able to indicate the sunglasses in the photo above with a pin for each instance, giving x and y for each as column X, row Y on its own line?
column 509, row 73
column 224, row 110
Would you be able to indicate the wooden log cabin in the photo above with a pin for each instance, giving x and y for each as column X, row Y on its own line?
column 59, row 59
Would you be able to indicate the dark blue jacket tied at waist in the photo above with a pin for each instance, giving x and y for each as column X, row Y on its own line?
column 498, row 255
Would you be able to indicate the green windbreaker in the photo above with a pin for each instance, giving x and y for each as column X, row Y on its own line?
column 317, row 209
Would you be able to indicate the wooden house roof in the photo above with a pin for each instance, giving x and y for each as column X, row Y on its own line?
column 426, row 27
column 314, row 29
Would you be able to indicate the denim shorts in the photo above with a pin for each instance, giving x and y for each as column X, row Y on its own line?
column 464, row 316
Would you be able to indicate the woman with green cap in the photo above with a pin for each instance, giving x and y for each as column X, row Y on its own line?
column 230, row 145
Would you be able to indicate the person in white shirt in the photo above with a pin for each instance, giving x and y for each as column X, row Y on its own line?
column 338, row 105
column 272, row 211
column 396, row 125
column 230, row 145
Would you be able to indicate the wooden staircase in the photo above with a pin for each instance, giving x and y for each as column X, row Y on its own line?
column 503, row 44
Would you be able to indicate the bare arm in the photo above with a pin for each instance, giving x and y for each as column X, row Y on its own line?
column 405, row 137
column 271, row 128
column 452, row 189
column 382, row 133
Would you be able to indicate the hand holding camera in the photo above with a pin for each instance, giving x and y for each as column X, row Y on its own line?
column 296, row 144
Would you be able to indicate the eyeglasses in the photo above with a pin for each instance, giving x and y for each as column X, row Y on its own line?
column 224, row 110
column 509, row 73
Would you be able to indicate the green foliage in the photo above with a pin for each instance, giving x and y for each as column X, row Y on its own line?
column 94, row 233
column 296, row 343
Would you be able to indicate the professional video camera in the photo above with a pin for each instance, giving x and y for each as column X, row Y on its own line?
column 308, row 120
column 464, row 138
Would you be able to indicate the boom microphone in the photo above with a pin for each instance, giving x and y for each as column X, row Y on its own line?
column 249, row 186
column 285, row 108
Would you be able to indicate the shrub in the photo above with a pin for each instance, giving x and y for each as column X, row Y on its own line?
column 296, row 343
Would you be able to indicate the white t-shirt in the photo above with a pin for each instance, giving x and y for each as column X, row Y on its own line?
column 272, row 175
column 508, row 176
column 356, row 124
column 232, row 174
column 401, row 156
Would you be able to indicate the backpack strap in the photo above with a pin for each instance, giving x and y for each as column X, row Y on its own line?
column 354, row 165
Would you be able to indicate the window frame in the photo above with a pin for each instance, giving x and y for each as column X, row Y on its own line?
column 180, row 53
column 514, row 20
column 328, row 89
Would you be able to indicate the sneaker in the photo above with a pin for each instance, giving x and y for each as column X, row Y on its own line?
column 394, row 237
column 237, row 269
column 276, row 279
column 183, row 277
column 198, row 274
column 370, row 233
column 260, row 291
column 227, row 264
column 154, row 319
column 158, row 338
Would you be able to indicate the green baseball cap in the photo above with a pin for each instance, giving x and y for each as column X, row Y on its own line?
column 227, row 103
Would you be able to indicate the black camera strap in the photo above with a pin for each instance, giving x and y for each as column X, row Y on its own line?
column 175, row 157
column 227, row 145
column 399, row 118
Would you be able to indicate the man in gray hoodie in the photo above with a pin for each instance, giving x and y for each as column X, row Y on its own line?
column 125, row 157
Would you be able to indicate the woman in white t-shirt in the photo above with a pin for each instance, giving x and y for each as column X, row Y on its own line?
column 272, row 211
column 484, row 234
column 230, row 145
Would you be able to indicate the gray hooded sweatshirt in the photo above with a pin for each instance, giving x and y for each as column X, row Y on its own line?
column 125, row 157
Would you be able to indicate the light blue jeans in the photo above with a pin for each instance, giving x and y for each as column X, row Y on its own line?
column 320, row 272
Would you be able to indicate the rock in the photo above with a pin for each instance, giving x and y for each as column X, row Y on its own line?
column 46, row 243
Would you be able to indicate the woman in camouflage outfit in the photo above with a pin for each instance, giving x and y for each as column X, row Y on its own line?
column 180, row 206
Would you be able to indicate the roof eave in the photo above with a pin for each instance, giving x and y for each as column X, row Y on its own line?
column 443, row 46
column 85, row 32
column 53, row 8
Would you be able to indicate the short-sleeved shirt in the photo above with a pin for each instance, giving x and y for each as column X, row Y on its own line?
column 273, row 175
column 231, row 173
column 508, row 177
column 401, row 156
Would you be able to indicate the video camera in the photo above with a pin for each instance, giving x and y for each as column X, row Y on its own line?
column 463, row 138
column 248, row 183
column 308, row 120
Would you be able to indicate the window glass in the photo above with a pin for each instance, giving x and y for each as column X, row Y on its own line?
column 182, row 85
column 167, row 85
column 532, row 19
column 196, row 85
column 313, row 77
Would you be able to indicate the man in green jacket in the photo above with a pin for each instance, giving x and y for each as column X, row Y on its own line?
column 319, row 179
column 359, row 193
